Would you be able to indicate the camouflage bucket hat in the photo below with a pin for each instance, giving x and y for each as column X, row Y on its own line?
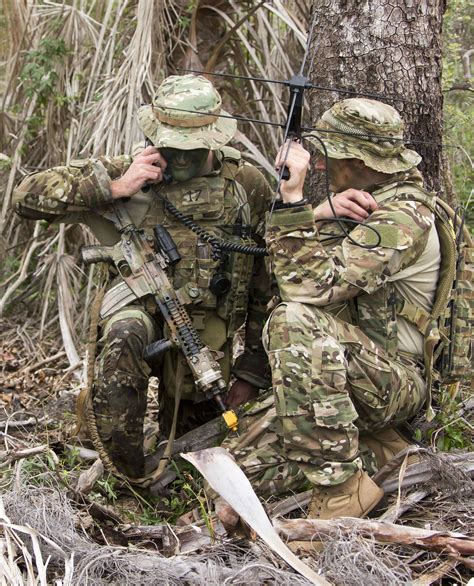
column 375, row 135
column 184, row 115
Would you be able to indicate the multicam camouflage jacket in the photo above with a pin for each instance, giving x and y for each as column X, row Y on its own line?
column 235, row 192
column 314, row 264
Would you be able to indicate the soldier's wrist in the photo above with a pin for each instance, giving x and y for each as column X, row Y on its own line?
column 282, row 205
column 116, row 189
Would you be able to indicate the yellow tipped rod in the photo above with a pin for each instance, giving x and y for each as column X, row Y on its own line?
column 231, row 420
column 229, row 415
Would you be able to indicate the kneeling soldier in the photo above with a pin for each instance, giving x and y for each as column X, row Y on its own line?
column 189, row 166
column 345, row 353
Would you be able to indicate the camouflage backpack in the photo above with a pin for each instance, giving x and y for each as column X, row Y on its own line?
column 448, row 330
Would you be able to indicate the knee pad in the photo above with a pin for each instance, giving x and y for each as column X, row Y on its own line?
column 122, row 352
column 291, row 323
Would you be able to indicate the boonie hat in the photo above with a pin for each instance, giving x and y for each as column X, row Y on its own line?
column 374, row 135
column 184, row 115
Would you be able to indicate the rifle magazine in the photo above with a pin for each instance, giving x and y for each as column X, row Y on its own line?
column 116, row 297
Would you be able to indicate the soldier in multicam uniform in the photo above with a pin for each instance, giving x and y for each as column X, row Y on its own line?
column 225, row 195
column 345, row 355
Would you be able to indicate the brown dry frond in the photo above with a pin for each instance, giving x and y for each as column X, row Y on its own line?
column 67, row 283
column 111, row 121
column 265, row 41
column 350, row 559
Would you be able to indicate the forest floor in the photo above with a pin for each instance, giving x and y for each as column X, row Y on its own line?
column 67, row 521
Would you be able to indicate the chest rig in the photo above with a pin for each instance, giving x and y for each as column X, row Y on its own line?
column 218, row 204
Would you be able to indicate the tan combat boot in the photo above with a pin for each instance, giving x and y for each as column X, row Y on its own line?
column 386, row 444
column 355, row 497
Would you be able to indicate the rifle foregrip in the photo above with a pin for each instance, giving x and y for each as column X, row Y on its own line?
column 155, row 349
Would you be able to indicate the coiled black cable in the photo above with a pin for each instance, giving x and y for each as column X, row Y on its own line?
column 218, row 244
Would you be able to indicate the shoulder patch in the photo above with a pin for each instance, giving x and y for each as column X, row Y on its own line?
column 390, row 236
column 231, row 153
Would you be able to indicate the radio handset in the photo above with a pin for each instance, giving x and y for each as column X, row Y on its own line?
column 166, row 177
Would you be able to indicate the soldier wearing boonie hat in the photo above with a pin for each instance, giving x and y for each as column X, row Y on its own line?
column 346, row 343
column 212, row 185
column 187, row 114
column 367, row 130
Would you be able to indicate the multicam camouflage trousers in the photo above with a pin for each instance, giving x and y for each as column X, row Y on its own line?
column 119, row 392
column 330, row 381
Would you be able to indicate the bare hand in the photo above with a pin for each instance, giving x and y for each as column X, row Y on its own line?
column 351, row 203
column 147, row 167
column 240, row 392
column 297, row 161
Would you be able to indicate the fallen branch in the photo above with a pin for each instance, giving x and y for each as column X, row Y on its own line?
column 19, row 423
column 43, row 362
column 206, row 436
column 436, row 574
column 7, row 458
column 399, row 508
column 293, row 502
column 420, row 472
column 312, row 529
column 89, row 477
column 189, row 538
column 81, row 452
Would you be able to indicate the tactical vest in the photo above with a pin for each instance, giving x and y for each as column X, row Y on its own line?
column 219, row 204
column 448, row 328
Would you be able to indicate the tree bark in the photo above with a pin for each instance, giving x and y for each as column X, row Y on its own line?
column 387, row 47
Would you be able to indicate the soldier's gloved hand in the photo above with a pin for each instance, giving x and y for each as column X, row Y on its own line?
column 297, row 161
column 351, row 203
column 147, row 167
column 240, row 392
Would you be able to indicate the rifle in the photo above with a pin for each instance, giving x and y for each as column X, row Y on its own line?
column 142, row 267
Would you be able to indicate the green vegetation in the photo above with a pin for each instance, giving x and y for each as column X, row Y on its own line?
column 39, row 75
column 458, row 98
column 450, row 430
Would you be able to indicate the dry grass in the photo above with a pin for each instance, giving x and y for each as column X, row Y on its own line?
column 49, row 532
column 103, row 60
column 45, row 536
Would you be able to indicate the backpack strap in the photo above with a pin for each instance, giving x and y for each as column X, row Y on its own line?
column 427, row 322
column 231, row 162
column 420, row 318
column 415, row 315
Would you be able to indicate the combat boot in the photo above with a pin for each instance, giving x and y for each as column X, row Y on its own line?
column 355, row 497
column 386, row 444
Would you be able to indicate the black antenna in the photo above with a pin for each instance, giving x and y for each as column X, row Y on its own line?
column 312, row 86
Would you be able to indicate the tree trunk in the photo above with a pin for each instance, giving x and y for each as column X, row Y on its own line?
column 387, row 47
